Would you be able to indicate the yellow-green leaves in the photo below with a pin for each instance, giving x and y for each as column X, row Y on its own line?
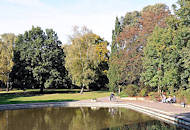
column 6, row 55
column 84, row 55
column 102, row 51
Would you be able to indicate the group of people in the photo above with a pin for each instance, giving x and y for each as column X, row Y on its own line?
column 163, row 97
column 169, row 99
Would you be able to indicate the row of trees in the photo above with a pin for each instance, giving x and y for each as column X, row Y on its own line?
column 37, row 59
column 34, row 59
column 151, row 49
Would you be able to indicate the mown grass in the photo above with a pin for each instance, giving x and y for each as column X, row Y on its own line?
column 37, row 90
column 33, row 96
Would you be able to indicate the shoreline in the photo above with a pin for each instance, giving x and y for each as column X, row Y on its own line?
column 184, row 121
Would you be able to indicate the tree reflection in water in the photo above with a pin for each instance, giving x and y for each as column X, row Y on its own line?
column 79, row 119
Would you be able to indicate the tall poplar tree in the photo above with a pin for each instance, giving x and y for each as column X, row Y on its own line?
column 113, row 66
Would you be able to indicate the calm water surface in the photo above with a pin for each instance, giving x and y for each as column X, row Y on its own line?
column 79, row 119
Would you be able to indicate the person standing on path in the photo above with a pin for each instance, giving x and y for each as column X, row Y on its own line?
column 111, row 96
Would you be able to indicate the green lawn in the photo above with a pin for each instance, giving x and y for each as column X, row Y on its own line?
column 33, row 96
column 37, row 90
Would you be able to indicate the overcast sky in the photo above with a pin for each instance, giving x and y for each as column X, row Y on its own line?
column 17, row 16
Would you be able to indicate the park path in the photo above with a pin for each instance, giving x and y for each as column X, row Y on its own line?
column 166, row 108
column 169, row 109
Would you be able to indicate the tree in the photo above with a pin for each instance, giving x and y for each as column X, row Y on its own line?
column 137, row 26
column 166, row 61
column 182, row 24
column 113, row 66
column 182, row 11
column 166, row 58
column 39, row 59
column 84, row 57
column 151, row 16
column 6, row 56
column 185, row 63
column 160, row 61
column 101, row 70
column 129, row 50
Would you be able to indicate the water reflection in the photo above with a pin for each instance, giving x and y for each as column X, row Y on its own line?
column 79, row 119
column 95, row 108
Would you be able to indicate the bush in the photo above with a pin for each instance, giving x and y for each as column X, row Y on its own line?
column 130, row 90
column 123, row 94
column 154, row 95
column 184, row 96
column 180, row 95
column 187, row 96
column 143, row 92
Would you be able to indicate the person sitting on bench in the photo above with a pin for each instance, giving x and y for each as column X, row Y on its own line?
column 163, row 98
column 174, row 99
column 169, row 99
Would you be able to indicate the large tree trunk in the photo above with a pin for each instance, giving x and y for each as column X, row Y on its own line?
column 158, row 89
column 82, row 90
column 7, row 85
column 119, row 89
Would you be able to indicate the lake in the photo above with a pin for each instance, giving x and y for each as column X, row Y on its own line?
column 66, row 118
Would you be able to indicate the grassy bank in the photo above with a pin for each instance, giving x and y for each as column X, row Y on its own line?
column 33, row 96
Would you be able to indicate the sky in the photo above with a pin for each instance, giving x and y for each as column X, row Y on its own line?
column 17, row 16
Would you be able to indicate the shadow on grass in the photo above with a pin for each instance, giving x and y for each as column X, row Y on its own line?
column 5, row 98
column 37, row 93
column 101, row 91
column 6, row 101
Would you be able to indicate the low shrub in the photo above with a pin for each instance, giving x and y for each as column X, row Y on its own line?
column 187, row 96
column 154, row 96
column 129, row 90
column 183, row 96
column 123, row 94
column 143, row 92
column 180, row 95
